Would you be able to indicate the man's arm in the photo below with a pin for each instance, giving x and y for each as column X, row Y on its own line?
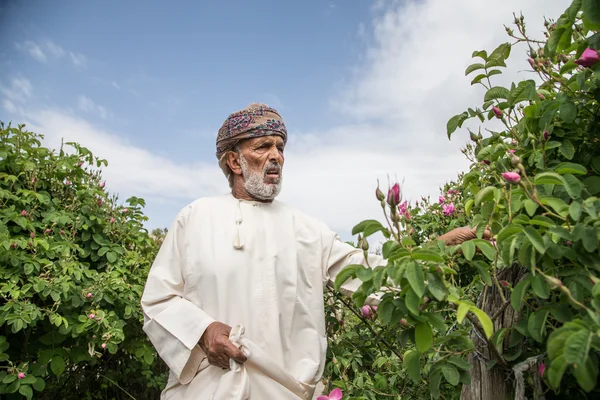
column 173, row 323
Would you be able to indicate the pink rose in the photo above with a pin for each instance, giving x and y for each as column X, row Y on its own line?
column 112, row 220
column 393, row 197
column 21, row 375
column 98, row 319
column 497, row 112
column 441, row 199
column 335, row 394
column 47, row 231
column 89, row 295
column 125, row 210
column 512, row 177
column 32, row 235
column 448, row 209
column 588, row 58
column 402, row 208
column 103, row 345
column 512, row 151
column 24, row 213
column 92, row 316
column 102, row 185
column 366, row 311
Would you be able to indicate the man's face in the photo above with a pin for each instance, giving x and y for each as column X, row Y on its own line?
column 262, row 162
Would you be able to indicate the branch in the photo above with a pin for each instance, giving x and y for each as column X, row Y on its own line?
column 386, row 344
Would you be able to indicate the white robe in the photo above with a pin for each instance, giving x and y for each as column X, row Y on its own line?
column 254, row 266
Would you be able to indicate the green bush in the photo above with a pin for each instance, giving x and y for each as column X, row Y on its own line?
column 533, row 182
column 73, row 262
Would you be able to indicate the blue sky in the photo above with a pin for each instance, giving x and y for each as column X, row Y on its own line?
column 365, row 88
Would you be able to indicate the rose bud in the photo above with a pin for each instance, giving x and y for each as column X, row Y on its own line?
column 497, row 112
column 512, row 177
column 588, row 58
column 393, row 197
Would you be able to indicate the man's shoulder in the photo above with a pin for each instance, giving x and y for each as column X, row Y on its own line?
column 302, row 216
column 205, row 205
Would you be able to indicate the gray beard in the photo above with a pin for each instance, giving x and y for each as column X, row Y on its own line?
column 254, row 182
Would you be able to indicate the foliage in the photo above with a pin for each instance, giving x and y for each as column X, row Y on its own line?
column 533, row 182
column 72, row 268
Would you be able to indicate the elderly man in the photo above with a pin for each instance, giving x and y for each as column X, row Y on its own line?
column 234, row 300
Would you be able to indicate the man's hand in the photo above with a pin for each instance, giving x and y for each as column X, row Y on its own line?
column 462, row 234
column 218, row 348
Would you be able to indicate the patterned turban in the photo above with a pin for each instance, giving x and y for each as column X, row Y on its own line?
column 256, row 120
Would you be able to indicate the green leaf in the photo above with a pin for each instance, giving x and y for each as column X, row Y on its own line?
column 548, row 178
column 516, row 297
column 345, row 274
column 508, row 232
column 484, row 194
column 486, row 248
column 536, row 324
column 389, row 247
column 483, row 271
column 436, row 321
column 57, row 365
column 359, row 228
column 473, row 67
column 111, row 256
column 592, row 183
column 451, row 374
column 412, row 364
column 416, row 278
column 558, row 205
column 468, row 249
column 26, row 391
column 372, row 228
column 567, row 149
column 591, row 11
column 568, row 111
column 455, row 122
column 436, row 286
column 577, row 347
column 496, row 92
column 427, row 255
column 463, row 310
column 589, row 239
column 575, row 211
column 557, row 368
column 573, row 10
column 573, row 186
column 423, row 337
column 478, row 78
column 540, row 287
column 530, row 206
column 460, row 362
column 561, row 312
column 587, row 374
column 434, row 384
column 413, row 302
column 570, row 168
column 485, row 320
column 39, row 385
column 540, row 220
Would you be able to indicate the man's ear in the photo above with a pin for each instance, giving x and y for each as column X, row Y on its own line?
column 233, row 162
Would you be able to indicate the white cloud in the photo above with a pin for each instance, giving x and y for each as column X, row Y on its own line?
column 55, row 50
column 88, row 106
column 78, row 59
column 49, row 50
column 116, row 85
column 20, row 90
column 131, row 170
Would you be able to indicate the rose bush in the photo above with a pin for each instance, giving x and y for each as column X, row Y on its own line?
column 73, row 262
column 518, row 315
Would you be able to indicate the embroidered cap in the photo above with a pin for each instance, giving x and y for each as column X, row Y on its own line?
column 256, row 120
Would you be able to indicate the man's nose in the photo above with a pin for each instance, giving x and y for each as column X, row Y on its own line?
column 275, row 156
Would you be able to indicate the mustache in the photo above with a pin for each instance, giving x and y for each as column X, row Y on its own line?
column 273, row 167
